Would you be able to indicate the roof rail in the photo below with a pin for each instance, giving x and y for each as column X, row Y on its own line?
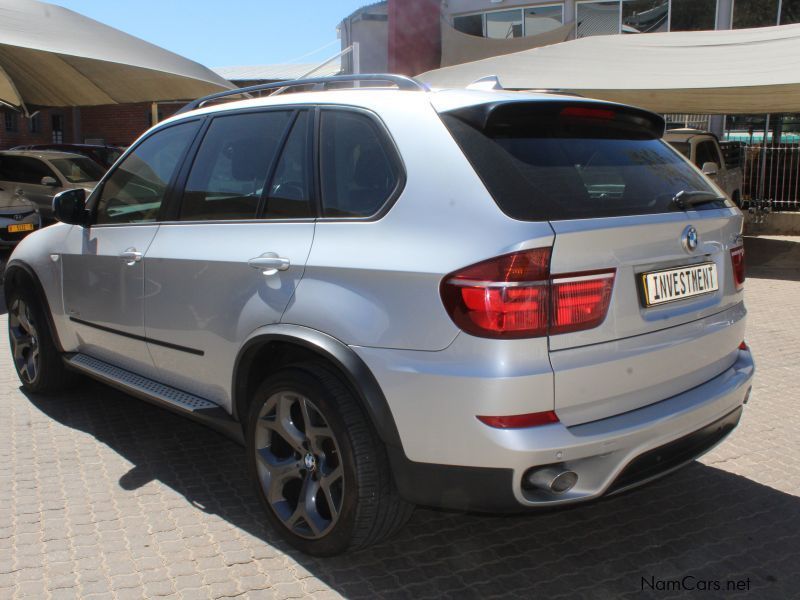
column 320, row 83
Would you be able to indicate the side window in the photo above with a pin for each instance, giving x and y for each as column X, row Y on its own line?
column 358, row 170
column 706, row 152
column 10, row 169
column 229, row 173
column 33, row 170
column 290, row 190
column 136, row 188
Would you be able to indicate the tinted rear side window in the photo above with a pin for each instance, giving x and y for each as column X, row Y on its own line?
column 550, row 161
column 359, row 170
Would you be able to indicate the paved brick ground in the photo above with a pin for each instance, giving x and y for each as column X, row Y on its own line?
column 103, row 496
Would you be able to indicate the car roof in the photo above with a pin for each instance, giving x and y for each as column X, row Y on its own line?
column 442, row 100
column 44, row 154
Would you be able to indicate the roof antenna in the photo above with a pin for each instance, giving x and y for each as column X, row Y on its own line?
column 489, row 83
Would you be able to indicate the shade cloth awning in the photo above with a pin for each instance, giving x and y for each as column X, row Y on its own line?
column 706, row 72
column 459, row 47
column 51, row 56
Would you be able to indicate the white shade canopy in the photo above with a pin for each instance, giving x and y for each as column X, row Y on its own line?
column 706, row 72
column 51, row 56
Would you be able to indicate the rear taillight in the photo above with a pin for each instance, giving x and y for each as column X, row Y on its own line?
column 737, row 260
column 580, row 301
column 514, row 296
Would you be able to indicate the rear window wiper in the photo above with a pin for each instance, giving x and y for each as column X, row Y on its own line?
column 684, row 199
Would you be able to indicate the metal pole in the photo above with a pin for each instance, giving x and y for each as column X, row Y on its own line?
column 763, row 173
column 356, row 58
column 153, row 113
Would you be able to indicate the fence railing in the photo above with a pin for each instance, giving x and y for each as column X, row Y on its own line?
column 771, row 176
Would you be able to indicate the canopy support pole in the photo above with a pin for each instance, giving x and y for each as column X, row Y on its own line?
column 763, row 173
column 153, row 113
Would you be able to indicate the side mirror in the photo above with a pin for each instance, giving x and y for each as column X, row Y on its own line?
column 710, row 169
column 70, row 207
column 49, row 181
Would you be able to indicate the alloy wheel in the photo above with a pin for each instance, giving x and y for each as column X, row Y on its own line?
column 24, row 340
column 299, row 464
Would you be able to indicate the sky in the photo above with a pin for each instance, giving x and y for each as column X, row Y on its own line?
column 228, row 32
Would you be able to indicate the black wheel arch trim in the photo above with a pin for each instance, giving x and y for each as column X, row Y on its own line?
column 359, row 377
column 38, row 289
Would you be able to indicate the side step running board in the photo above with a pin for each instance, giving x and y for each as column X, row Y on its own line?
column 176, row 400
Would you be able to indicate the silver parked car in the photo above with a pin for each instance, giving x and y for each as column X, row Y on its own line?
column 18, row 218
column 38, row 175
column 469, row 299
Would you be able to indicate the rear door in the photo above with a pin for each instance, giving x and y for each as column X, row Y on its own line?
column 235, row 248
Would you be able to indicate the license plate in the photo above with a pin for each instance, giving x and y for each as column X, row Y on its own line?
column 20, row 227
column 670, row 285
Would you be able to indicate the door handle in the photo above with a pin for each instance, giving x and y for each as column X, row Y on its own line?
column 269, row 263
column 131, row 256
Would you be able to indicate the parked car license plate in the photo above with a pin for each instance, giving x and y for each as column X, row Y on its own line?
column 20, row 227
column 676, row 284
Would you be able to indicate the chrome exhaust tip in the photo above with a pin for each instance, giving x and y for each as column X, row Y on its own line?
column 553, row 479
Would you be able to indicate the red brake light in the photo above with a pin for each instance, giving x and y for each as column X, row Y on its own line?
column 513, row 296
column 520, row 421
column 580, row 302
column 504, row 297
column 737, row 260
column 585, row 112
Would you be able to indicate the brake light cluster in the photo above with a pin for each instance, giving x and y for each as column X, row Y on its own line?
column 737, row 260
column 515, row 296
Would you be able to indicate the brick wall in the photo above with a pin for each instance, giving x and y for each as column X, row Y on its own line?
column 120, row 124
column 415, row 38
column 22, row 135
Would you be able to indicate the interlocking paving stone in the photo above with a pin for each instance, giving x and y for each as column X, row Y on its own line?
column 104, row 496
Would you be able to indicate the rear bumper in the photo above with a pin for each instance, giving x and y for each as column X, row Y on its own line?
column 609, row 455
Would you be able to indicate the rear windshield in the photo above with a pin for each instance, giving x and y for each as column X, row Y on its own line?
column 545, row 161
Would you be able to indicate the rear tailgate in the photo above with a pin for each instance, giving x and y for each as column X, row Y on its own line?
column 602, row 177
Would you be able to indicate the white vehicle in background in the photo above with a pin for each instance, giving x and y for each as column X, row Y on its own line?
column 704, row 150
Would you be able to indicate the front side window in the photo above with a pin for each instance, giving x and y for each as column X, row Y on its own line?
column 136, row 188
column 78, row 170
column 230, row 171
column 706, row 152
column 469, row 24
column 358, row 169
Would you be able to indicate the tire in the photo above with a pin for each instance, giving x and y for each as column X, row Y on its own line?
column 341, row 469
column 36, row 358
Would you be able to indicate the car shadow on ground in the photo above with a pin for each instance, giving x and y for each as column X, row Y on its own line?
column 770, row 258
column 701, row 522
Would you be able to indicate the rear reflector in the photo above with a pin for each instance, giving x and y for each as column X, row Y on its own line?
column 520, row 421
column 514, row 296
column 737, row 260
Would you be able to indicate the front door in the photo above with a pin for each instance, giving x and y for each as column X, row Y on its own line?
column 103, row 267
column 230, row 260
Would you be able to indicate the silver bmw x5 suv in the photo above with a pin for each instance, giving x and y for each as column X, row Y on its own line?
column 477, row 300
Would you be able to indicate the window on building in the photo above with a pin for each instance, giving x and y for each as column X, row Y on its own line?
column 790, row 12
column 34, row 123
column 470, row 24
column 11, row 121
column 693, row 15
column 539, row 19
column 136, row 188
column 597, row 18
column 359, row 171
column 504, row 24
column 645, row 16
column 57, row 127
column 755, row 13
column 232, row 165
column 513, row 23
